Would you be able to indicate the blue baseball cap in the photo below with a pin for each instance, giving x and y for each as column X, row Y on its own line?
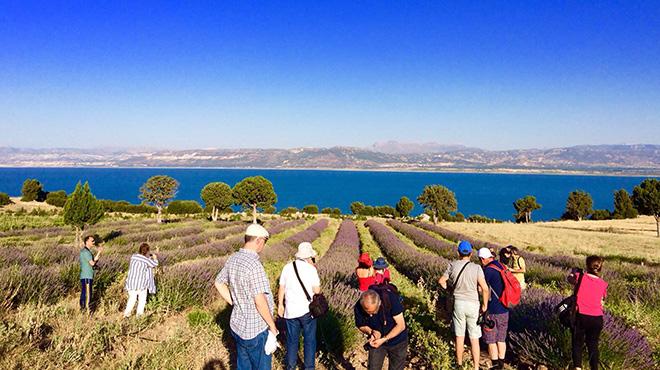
column 464, row 247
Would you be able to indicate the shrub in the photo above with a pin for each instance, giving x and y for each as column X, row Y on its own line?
column 126, row 207
column 288, row 211
column 56, row 198
column 184, row 207
column 32, row 190
column 4, row 199
column 311, row 209
column 601, row 214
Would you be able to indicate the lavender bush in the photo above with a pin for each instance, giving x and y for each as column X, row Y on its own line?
column 423, row 239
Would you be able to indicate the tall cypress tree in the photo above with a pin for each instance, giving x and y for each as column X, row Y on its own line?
column 82, row 210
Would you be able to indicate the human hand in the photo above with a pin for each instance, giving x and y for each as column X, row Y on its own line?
column 375, row 334
column 99, row 249
column 375, row 343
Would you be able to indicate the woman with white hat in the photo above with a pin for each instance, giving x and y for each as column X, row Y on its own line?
column 293, row 305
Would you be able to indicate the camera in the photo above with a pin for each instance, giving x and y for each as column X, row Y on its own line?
column 485, row 321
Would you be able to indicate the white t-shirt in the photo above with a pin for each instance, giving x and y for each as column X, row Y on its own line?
column 295, row 302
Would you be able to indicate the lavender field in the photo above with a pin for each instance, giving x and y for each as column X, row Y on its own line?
column 186, row 325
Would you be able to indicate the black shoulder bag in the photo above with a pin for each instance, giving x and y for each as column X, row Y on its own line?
column 318, row 305
column 566, row 310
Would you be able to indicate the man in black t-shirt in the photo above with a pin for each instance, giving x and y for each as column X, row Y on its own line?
column 381, row 319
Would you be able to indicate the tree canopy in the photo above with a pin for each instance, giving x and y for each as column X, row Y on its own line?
column 217, row 197
column 159, row 191
column 524, row 208
column 646, row 198
column 311, row 209
column 579, row 205
column 623, row 205
column 439, row 200
column 32, row 190
column 254, row 192
column 404, row 206
column 82, row 209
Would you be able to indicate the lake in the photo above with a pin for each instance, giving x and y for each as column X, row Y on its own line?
column 490, row 195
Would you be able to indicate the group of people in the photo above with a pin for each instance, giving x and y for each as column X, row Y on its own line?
column 379, row 313
column 467, row 282
column 139, row 280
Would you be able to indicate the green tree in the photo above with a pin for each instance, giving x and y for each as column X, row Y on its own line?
column 524, row 208
column 601, row 214
column 439, row 200
column 311, row 209
column 357, row 208
column 184, row 207
column 646, row 198
column 56, row 198
column 623, row 205
column 82, row 210
column 579, row 205
column 32, row 190
column 270, row 210
column 217, row 197
column 4, row 199
column 404, row 206
column 254, row 192
column 159, row 191
column 288, row 211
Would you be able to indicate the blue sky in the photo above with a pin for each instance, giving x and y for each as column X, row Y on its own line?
column 223, row 74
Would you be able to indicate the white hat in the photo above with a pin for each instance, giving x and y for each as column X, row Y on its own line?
column 257, row 230
column 485, row 253
column 305, row 250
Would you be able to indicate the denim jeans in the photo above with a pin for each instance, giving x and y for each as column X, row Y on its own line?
column 86, row 293
column 250, row 353
column 307, row 324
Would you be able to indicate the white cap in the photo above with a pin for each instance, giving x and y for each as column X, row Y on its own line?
column 257, row 230
column 305, row 250
column 485, row 253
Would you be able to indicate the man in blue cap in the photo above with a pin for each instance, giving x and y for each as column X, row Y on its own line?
column 462, row 279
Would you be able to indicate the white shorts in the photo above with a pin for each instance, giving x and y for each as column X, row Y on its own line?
column 466, row 314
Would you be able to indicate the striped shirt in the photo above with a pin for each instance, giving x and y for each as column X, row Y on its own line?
column 246, row 278
column 141, row 274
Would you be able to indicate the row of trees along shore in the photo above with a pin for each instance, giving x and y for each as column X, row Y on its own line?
column 257, row 193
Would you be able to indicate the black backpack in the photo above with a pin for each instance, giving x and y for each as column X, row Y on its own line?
column 384, row 291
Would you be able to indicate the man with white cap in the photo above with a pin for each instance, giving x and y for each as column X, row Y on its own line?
column 293, row 305
column 243, row 283
column 495, row 337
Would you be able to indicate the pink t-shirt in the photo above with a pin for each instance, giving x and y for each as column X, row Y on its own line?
column 590, row 297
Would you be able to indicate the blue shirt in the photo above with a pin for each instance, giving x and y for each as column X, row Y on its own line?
column 382, row 321
column 496, row 284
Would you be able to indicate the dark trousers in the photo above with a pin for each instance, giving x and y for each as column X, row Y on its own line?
column 307, row 325
column 395, row 353
column 85, row 293
column 587, row 329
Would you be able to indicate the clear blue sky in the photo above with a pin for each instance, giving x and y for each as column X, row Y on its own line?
column 324, row 73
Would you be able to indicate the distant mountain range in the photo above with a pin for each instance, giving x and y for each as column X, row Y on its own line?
column 606, row 159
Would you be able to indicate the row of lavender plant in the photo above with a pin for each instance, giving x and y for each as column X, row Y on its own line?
column 287, row 248
column 409, row 261
column 423, row 239
column 337, row 283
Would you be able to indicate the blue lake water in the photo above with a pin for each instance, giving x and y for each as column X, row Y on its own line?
column 490, row 195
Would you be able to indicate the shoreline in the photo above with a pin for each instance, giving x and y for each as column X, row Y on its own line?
column 351, row 169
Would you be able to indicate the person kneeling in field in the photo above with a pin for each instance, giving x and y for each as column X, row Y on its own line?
column 243, row 283
column 293, row 305
column 140, row 279
column 463, row 279
column 379, row 315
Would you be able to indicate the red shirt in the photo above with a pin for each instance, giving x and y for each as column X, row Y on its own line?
column 381, row 278
column 590, row 296
column 366, row 282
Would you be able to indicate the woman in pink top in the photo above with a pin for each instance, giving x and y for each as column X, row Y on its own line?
column 589, row 319
column 365, row 272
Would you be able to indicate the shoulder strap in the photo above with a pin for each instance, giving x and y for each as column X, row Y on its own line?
column 460, row 273
column 579, row 282
column 295, row 268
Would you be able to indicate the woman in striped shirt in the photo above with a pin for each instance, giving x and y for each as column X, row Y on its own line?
column 140, row 279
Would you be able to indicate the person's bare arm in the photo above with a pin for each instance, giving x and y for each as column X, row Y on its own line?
column 443, row 281
column 262, row 307
column 223, row 289
column 280, row 301
column 93, row 261
column 396, row 330
column 485, row 293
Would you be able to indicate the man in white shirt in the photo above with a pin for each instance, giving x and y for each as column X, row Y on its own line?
column 293, row 305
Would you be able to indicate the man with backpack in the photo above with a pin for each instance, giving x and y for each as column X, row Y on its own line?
column 462, row 279
column 504, row 294
column 379, row 315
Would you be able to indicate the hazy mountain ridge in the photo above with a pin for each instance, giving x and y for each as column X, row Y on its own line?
column 618, row 159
